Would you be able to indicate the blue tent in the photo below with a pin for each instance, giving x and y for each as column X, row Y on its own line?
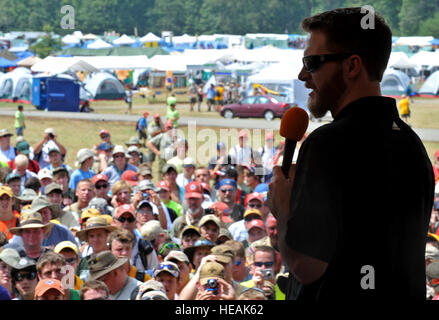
column 5, row 63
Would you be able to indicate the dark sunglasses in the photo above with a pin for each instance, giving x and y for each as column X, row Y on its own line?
column 171, row 246
column 123, row 219
column 99, row 186
column 312, row 63
column 267, row 264
column 227, row 190
column 25, row 275
column 254, row 205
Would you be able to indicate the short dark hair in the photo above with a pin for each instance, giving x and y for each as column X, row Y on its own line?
column 93, row 285
column 345, row 34
column 33, row 183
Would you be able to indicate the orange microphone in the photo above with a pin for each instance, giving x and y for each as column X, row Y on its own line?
column 292, row 127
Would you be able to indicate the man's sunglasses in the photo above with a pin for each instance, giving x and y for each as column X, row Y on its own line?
column 123, row 219
column 313, row 62
column 99, row 186
column 254, row 205
column 266, row 264
column 25, row 275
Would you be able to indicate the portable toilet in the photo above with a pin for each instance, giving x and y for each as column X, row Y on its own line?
column 55, row 94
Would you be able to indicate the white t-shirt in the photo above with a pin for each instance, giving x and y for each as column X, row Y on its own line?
column 125, row 292
column 242, row 156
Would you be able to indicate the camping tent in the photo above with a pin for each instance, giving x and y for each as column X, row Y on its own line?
column 431, row 85
column 394, row 82
column 17, row 85
column 56, row 65
column 103, row 85
column 282, row 77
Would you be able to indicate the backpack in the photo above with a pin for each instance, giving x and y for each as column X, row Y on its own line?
column 145, row 248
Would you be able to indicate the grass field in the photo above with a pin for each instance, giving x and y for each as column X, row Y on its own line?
column 76, row 134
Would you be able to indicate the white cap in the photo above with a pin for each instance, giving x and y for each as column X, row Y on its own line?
column 44, row 173
column 151, row 230
column 189, row 161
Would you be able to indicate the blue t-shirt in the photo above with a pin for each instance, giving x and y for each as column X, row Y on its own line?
column 141, row 124
column 4, row 294
column 78, row 175
column 210, row 93
column 113, row 174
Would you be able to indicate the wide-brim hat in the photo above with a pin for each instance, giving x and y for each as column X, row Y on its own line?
column 93, row 223
column 201, row 242
column 41, row 202
column 28, row 220
column 5, row 133
column 27, row 195
column 104, row 262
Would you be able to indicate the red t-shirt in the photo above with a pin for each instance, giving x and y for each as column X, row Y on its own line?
column 33, row 165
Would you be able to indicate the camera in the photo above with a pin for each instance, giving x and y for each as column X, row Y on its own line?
column 268, row 273
column 145, row 196
column 212, row 286
column 209, row 211
column 51, row 135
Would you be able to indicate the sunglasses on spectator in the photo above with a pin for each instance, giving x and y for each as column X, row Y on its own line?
column 227, row 190
column 103, row 136
column 313, row 62
column 157, row 297
column 255, row 205
column 25, row 275
column 118, row 156
column 266, row 264
column 103, row 185
column 171, row 246
column 123, row 219
column 169, row 268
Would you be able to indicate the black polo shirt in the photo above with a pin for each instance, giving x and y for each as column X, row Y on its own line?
column 361, row 201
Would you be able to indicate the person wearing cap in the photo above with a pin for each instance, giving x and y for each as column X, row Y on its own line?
column 71, row 253
column 150, row 290
column 84, row 192
column 192, row 209
column 105, row 137
column 8, row 219
column 135, row 156
column 256, row 230
column 220, row 161
column 189, row 235
column 55, row 232
column 187, row 175
column 144, row 172
column 182, row 261
column 21, row 169
column 212, row 284
column 141, row 127
column 121, row 243
column 192, row 91
column 24, row 279
column 145, row 211
column 23, row 147
column 135, row 142
column 13, row 180
column 8, row 259
column 268, row 151
column 242, row 153
column 240, row 271
column 432, row 273
column 209, row 226
column 45, row 176
column 170, row 176
column 49, row 289
column 6, row 149
column 84, row 160
column 119, row 166
column 154, row 128
column 254, row 178
column 102, row 160
column 25, row 199
column 143, row 258
column 165, row 197
column 54, row 194
column 168, row 273
column 106, row 267
column 56, row 160
column 227, row 190
column 94, row 290
column 102, row 187
column 253, row 204
column 41, row 148
column 163, row 145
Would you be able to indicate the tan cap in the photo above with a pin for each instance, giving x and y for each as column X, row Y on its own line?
column 211, row 270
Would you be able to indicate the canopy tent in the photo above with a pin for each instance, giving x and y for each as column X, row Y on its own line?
column 283, row 77
column 172, row 62
column 150, row 37
column 90, row 36
column 99, row 44
column 431, row 85
column 70, row 39
column 394, row 82
column 124, row 40
column 117, row 62
column 5, row 63
column 103, row 85
column 29, row 61
column 56, row 65
column 425, row 58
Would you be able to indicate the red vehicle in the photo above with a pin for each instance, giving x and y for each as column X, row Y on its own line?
column 263, row 106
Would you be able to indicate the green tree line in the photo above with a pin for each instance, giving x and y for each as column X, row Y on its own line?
column 406, row 17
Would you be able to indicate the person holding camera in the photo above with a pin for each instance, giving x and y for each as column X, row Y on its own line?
column 212, row 284
column 42, row 148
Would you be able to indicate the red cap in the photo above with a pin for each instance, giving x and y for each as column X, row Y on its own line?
column 130, row 176
column 205, row 186
column 194, row 190
column 163, row 184
column 103, row 131
column 123, row 209
column 157, row 115
column 252, row 196
column 146, row 114
column 169, row 124
column 99, row 177
column 255, row 223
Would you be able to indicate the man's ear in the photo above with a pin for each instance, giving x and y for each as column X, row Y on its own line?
column 354, row 66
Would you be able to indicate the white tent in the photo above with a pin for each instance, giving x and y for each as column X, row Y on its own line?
column 117, row 62
column 414, row 41
column 56, row 65
column 400, row 60
column 425, row 58
column 172, row 62
column 70, row 39
column 17, row 84
column 124, row 40
column 149, row 37
column 103, row 85
column 99, row 44
column 90, row 36
column 394, row 82
column 431, row 85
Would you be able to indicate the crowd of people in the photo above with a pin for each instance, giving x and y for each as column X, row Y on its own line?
column 112, row 228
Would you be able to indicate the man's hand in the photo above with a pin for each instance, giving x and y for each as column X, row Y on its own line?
column 278, row 198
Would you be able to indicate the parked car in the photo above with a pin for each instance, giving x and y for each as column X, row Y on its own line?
column 261, row 106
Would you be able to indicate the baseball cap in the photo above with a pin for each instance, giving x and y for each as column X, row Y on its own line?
column 144, row 171
column 163, row 185
column 144, row 185
column 211, row 270
column 167, row 167
column 253, row 196
column 10, row 256
column 227, row 182
column 99, row 177
column 189, row 162
column 169, row 124
column 432, row 273
column 130, row 176
column 103, row 131
column 255, row 223
column 133, row 141
column 252, row 211
column 167, row 266
column 223, row 253
column 177, row 255
column 54, row 148
column 146, row 114
column 151, row 230
column 157, row 115
column 66, row 245
column 45, row 173
column 52, row 187
column 46, row 284
column 243, row 133
column 104, row 146
column 133, row 149
column 209, row 218
column 123, row 209
column 190, row 229
column 193, row 190
column 90, row 212
column 12, row 176
column 23, row 147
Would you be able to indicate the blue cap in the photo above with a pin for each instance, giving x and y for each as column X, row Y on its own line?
column 104, row 146
column 227, row 182
column 220, row 145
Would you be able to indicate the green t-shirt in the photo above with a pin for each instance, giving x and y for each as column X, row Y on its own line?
column 19, row 119
column 74, row 294
column 173, row 114
column 174, row 206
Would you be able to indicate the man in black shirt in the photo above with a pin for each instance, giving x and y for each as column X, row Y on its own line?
column 354, row 223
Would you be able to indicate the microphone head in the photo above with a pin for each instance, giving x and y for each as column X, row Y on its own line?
column 294, row 123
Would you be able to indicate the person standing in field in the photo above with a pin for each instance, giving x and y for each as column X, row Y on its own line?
column 19, row 121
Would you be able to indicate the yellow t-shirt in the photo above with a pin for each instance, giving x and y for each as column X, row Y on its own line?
column 404, row 106
column 133, row 271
